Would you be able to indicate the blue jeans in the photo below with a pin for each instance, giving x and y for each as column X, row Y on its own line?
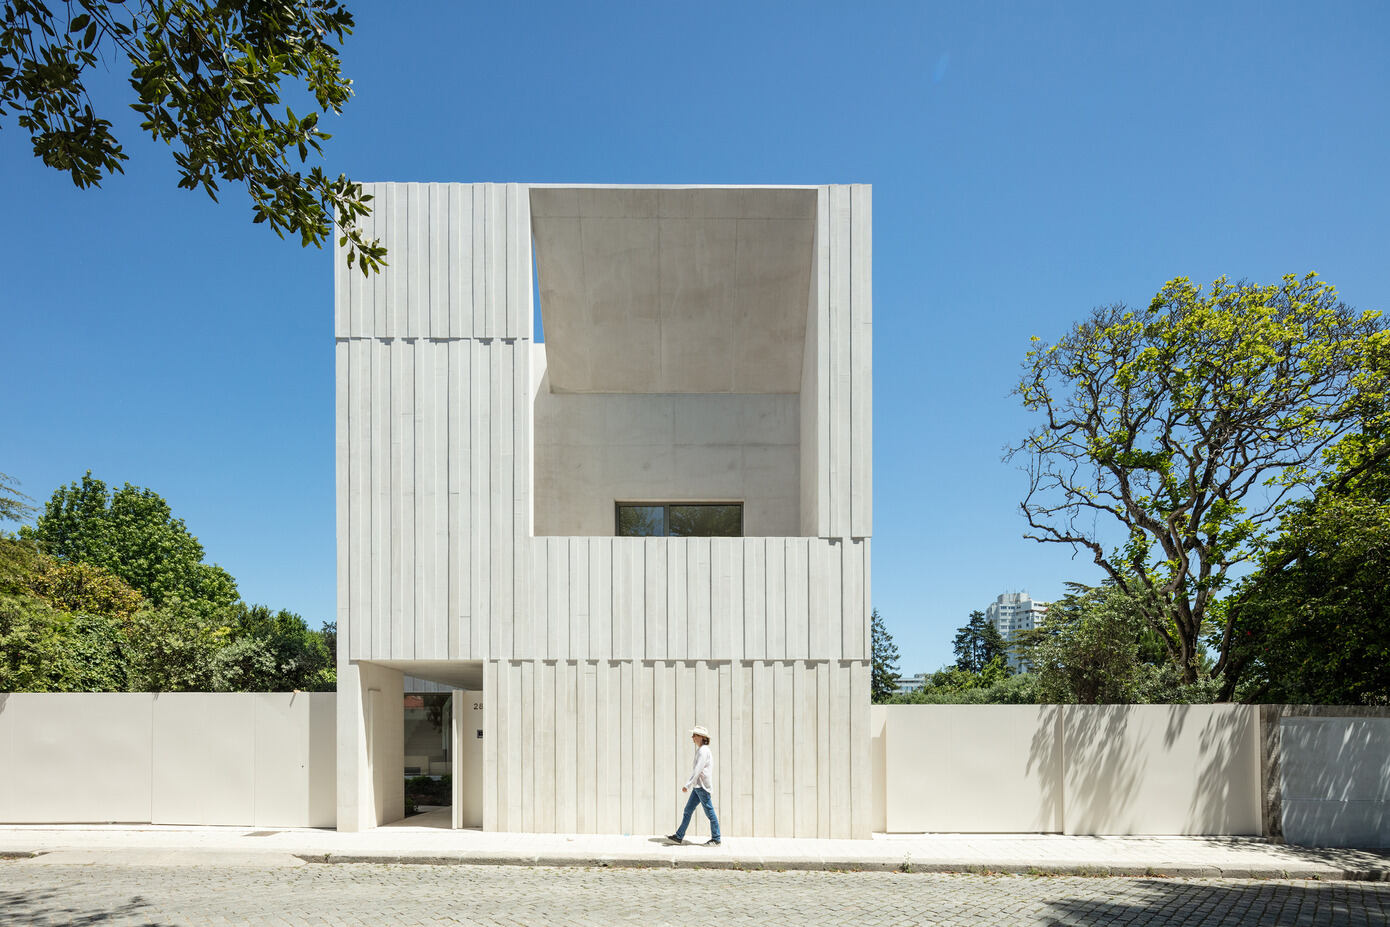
column 702, row 797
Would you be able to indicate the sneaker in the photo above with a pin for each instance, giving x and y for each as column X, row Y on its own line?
column 674, row 839
column 713, row 843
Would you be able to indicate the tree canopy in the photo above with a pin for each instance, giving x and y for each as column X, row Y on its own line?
column 209, row 80
column 979, row 643
column 1171, row 436
column 885, row 659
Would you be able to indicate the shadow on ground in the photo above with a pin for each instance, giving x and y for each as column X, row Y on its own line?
column 50, row 907
column 1217, row 904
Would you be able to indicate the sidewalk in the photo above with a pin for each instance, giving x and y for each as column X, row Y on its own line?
column 424, row 839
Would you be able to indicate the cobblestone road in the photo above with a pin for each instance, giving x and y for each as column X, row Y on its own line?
column 401, row 896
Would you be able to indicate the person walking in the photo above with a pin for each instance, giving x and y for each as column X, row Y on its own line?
column 699, row 785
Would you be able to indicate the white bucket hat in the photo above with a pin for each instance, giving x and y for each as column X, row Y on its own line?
column 699, row 729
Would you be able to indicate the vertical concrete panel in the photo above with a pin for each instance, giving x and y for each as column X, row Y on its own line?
column 643, row 739
column 625, row 558
column 579, row 598
column 840, row 379
column 798, row 619
column 378, row 521
column 437, row 284
column 834, row 598
column 504, row 496
column 610, row 746
column 764, row 746
column 776, row 598
column 655, row 570
column 784, row 776
column 755, row 599
column 665, row 744
column 567, row 747
column 343, row 463
column 809, row 431
column 823, row 748
column 545, row 760
column 494, row 764
column 698, row 618
column 627, row 769
column 861, row 769
column 558, row 598
column 586, row 755
column 741, row 814
column 818, row 608
column 601, row 598
column 357, row 632
column 396, row 637
column 480, row 274
column 824, row 344
column 721, row 595
column 459, row 270
column 804, row 748
column 323, row 756
column 520, row 746
column 852, row 601
column 427, row 499
column 723, row 763
column 841, row 798
column 490, row 641
column 861, row 362
column 532, row 634
column 417, row 257
column 460, row 515
column 529, row 728
column 676, row 552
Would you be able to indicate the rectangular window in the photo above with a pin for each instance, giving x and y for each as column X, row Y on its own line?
column 680, row 520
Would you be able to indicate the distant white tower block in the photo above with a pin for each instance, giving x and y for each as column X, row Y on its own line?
column 1012, row 612
column 702, row 345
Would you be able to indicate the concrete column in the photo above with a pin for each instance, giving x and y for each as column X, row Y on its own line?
column 371, row 745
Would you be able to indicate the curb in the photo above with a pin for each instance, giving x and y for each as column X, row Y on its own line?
column 805, row 864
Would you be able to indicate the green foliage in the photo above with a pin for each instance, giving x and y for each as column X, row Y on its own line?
column 132, row 533
column 272, row 653
column 1310, row 626
column 1096, row 648
column 1183, row 427
column 958, row 687
column 43, row 649
column 978, row 644
column 13, row 503
column 82, row 588
column 172, row 648
column 884, row 681
column 208, row 80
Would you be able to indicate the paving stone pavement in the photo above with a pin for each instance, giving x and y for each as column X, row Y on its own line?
column 408, row 895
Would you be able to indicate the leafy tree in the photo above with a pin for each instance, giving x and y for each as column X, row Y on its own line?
column 132, row 534
column 885, row 659
column 209, row 80
column 82, row 588
column 1184, row 426
column 172, row 648
column 954, row 686
column 978, row 643
column 1310, row 624
column 1093, row 648
column 272, row 653
column 13, row 503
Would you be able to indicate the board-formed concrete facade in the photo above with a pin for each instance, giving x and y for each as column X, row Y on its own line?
column 701, row 344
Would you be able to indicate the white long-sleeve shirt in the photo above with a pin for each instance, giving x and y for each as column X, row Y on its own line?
column 701, row 775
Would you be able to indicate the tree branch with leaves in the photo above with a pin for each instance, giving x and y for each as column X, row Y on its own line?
column 209, row 79
column 1171, row 436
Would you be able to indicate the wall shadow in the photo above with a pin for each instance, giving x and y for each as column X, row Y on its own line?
column 70, row 908
column 1218, row 904
column 1045, row 763
column 1229, row 775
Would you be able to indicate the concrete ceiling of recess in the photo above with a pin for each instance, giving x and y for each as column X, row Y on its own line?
column 674, row 290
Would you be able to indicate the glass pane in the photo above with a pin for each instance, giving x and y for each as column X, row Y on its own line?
column 706, row 521
column 641, row 521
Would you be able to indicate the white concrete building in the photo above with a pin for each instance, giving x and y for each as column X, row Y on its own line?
column 1012, row 612
column 705, row 385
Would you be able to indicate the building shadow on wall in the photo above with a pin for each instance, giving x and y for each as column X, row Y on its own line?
column 1165, row 901
column 70, row 908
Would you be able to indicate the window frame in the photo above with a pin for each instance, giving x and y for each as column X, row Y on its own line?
column 666, row 515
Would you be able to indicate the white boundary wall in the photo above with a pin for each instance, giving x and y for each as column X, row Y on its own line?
column 257, row 759
column 1075, row 769
column 1335, row 781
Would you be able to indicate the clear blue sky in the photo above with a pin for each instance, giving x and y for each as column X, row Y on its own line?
column 1029, row 161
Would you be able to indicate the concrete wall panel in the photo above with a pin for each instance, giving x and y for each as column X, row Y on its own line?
column 1335, row 781
column 75, row 757
column 204, row 767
